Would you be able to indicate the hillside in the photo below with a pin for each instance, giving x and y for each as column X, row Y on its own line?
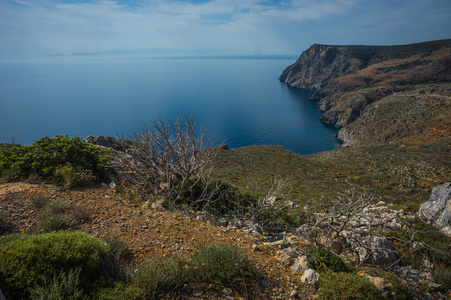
column 348, row 79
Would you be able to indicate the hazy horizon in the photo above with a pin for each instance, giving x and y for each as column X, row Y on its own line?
column 213, row 27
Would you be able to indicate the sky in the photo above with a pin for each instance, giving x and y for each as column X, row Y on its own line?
column 214, row 27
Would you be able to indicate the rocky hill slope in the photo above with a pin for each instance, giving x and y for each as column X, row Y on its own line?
column 413, row 80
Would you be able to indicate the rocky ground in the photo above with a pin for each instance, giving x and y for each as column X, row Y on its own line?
column 154, row 233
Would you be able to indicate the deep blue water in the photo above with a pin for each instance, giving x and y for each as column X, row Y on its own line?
column 239, row 101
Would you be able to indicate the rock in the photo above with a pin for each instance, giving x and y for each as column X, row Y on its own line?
column 227, row 291
column 310, row 276
column 300, row 264
column 284, row 256
column 382, row 284
column 102, row 140
column 223, row 222
column 294, row 293
column 438, row 209
column 374, row 250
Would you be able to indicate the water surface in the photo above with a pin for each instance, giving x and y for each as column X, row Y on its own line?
column 239, row 101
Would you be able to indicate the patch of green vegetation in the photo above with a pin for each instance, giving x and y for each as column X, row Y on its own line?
column 61, row 159
column 442, row 275
column 279, row 219
column 373, row 54
column 346, row 286
column 6, row 224
column 323, row 260
column 26, row 261
column 159, row 279
column 62, row 286
column 402, row 176
column 428, row 243
column 222, row 266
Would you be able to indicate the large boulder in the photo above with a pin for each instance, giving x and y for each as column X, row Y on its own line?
column 438, row 209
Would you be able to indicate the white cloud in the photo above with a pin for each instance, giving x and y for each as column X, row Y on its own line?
column 227, row 26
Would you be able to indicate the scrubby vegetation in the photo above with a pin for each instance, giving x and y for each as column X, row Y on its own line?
column 345, row 286
column 68, row 161
column 324, row 260
column 72, row 265
column 269, row 188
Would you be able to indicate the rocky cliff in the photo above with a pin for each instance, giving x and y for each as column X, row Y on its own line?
column 349, row 79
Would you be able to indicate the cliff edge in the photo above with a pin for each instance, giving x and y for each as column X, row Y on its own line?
column 348, row 81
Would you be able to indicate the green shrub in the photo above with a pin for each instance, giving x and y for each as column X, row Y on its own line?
column 224, row 198
column 39, row 200
column 158, row 279
column 282, row 218
column 120, row 291
column 32, row 260
column 399, row 287
column 443, row 276
column 324, row 260
column 54, row 222
column 6, row 225
column 54, row 217
column 62, row 286
column 73, row 177
column 222, row 266
column 347, row 286
column 437, row 249
column 55, row 207
column 58, row 159
column 80, row 213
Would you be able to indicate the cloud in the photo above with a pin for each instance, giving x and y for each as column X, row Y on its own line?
column 227, row 26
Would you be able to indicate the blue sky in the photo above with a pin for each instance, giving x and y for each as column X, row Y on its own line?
column 215, row 27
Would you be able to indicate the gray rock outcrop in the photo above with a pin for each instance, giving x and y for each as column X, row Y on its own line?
column 102, row 140
column 438, row 209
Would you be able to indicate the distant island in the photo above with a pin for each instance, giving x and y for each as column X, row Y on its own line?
column 378, row 94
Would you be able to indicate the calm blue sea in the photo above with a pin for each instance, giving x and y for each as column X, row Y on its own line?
column 239, row 101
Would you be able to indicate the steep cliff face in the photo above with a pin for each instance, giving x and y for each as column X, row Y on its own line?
column 318, row 66
column 348, row 79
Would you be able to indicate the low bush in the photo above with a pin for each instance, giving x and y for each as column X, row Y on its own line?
column 443, row 276
column 347, row 286
column 324, row 260
column 6, row 225
column 281, row 218
column 32, row 260
column 222, row 266
column 60, row 159
column 62, row 286
column 158, row 279
column 430, row 243
column 39, row 200
column 53, row 222
column 399, row 287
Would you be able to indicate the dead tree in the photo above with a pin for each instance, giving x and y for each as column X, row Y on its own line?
column 168, row 154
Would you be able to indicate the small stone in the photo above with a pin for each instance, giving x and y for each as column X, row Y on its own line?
column 227, row 291
column 310, row 276
column 294, row 293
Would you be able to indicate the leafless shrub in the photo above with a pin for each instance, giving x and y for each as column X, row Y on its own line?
column 346, row 225
column 173, row 157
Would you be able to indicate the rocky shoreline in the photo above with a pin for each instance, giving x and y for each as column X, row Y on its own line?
column 349, row 80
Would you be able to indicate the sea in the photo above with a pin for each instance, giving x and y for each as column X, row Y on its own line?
column 238, row 101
